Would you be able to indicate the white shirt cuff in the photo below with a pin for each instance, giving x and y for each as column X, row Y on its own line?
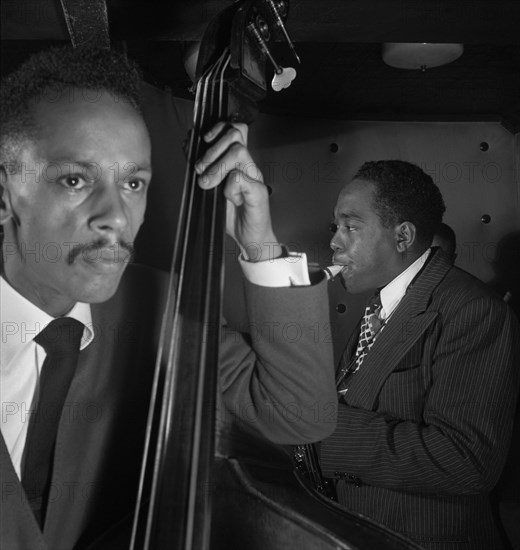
column 287, row 271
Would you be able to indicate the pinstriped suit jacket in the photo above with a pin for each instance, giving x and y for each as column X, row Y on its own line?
column 425, row 425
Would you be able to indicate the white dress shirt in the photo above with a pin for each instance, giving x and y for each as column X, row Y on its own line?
column 287, row 271
column 395, row 290
column 21, row 360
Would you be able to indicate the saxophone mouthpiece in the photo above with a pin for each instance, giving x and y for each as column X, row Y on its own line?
column 332, row 271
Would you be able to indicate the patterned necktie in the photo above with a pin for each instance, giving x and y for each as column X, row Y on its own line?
column 61, row 340
column 370, row 326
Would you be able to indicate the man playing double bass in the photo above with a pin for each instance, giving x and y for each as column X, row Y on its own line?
column 80, row 325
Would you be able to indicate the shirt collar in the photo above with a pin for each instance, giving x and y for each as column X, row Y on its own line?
column 21, row 321
column 395, row 290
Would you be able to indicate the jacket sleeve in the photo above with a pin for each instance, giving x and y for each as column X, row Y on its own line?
column 466, row 404
column 279, row 377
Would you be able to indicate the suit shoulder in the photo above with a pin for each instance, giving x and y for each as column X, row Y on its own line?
column 459, row 289
column 465, row 284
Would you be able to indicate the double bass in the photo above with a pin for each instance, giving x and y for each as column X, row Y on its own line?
column 206, row 484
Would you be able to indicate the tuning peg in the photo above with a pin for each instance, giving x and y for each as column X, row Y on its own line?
column 283, row 76
column 277, row 9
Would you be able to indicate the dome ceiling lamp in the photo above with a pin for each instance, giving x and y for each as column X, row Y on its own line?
column 420, row 55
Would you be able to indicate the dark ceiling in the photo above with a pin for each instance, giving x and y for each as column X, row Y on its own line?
column 339, row 41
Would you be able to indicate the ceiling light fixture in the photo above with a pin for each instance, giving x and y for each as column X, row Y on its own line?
column 421, row 55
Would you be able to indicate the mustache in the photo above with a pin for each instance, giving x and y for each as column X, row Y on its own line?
column 92, row 250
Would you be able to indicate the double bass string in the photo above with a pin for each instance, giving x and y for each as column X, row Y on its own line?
column 215, row 196
column 169, row 315
column 206, row 99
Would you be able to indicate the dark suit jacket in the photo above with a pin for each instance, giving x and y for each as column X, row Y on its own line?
column 101, row 432
column 425, row 426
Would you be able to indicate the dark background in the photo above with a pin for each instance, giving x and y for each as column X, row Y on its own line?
column 339, row 41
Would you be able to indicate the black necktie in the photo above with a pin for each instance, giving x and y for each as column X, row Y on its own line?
column 61, row 341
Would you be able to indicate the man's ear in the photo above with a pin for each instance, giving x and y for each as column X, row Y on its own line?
column 405, row 234
column 6, row 211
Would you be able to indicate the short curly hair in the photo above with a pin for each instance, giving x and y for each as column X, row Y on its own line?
column 404, row 192
column 52, row 72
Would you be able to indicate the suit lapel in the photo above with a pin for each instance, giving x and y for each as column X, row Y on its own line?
column 348, row 352
column 407, row 324
column 18, row 526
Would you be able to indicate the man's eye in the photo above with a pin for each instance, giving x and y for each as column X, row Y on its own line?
column 334, row 227
column 134, row 185
column 73, row 182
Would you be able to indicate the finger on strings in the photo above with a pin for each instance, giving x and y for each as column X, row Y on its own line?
column 236, row 158
column 222, row 127
column 222, row 137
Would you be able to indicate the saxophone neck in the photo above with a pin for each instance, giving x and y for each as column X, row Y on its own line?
column 332, row 271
